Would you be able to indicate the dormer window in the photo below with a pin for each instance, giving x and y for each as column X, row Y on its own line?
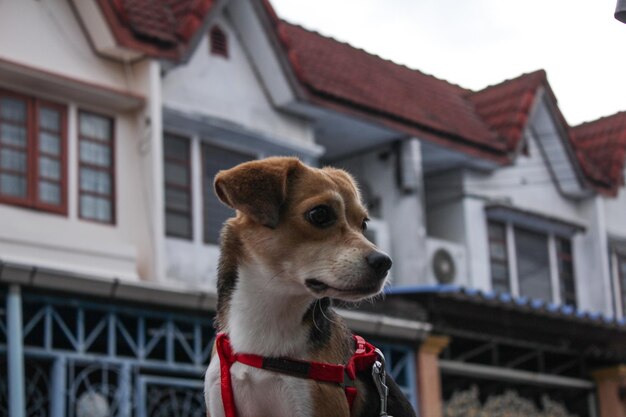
column 218, row 42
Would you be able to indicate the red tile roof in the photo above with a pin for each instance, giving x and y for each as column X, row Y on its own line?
column 506, row 106
column 159, row 28
column 337, row 74
column 486, row 123
column 602, row 145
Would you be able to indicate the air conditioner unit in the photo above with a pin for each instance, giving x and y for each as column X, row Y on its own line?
column 447, row 263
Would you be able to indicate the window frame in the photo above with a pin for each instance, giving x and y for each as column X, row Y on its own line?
column 236, row 149
column 32, row 199
column 188, row 189
column 552, row 238
column 111, row 170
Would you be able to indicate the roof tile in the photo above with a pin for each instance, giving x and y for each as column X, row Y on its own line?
column 336, row 71
column 601, row 145
column 160, row 28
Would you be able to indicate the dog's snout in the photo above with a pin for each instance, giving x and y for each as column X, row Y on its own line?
column 379, row 262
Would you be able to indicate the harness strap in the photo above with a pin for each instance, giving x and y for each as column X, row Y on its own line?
column 362, row 359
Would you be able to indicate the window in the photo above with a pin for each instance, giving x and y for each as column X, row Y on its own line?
column 215, row 213
column 498, row 258
column 96, row 167
column 218, row 42
column 534, row 264
column 177, row 181
column 32, row 153
column 565, row 267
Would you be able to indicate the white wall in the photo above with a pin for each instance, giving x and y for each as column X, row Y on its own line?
column 456, row 203
column 46, row 34
column 53, row 41
column 615, row 209
column 229, row 89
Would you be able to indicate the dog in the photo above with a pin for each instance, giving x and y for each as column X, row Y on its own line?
column 295, row 244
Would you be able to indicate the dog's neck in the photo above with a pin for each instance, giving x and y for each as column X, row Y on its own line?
column 267, row 319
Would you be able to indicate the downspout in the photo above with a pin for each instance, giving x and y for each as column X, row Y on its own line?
column 155, row 112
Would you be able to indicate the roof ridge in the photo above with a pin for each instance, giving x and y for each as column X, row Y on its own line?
column 540, row 71
column 617, row 115
column 372, row 54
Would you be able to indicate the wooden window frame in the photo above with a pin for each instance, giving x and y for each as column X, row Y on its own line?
column 188, row 189
column 111, row 169
column 218, row 50
column 32, row 199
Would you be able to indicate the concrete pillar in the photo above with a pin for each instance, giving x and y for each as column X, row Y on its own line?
column 609, row 382
column 429, row 377
column 15, row 353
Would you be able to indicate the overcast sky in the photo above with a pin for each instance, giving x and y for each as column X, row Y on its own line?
column 475, row 43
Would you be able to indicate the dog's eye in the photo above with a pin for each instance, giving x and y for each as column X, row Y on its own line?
column 364, row 224
column 321, row 216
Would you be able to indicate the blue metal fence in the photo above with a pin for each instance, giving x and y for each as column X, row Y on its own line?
column 88, row 358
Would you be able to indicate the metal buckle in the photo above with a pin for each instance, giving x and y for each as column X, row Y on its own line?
column 378, row 374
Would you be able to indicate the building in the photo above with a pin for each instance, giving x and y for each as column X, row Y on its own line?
column 505, row 224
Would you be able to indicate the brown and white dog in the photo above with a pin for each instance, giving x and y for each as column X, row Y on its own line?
column 296, row 242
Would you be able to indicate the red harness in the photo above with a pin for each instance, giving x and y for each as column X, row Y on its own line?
column 363, row 359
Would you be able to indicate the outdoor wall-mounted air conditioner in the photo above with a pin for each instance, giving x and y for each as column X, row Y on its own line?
column 447, row 263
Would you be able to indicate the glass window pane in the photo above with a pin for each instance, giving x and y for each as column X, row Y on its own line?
column 95, row 153
column 215, row 213
column 95, row 208
column 176, row 147
column 177, row 225
column 12, row 135
column 13, row 160
column 49, row 168
column 49, row 193
column 12, row 185
column 95, row 181
column 94, row 126
column 12, row 109
column 177, row 200
column 497, row 250
column 533, row 264
column 49, row 119
column 176, row 174
column 49, row 143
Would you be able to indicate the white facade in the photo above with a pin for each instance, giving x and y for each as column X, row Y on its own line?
column 243, row 102
column 546, row 189
column 57, row 63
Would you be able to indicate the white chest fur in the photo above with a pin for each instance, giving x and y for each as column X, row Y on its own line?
column 259, row 393
column 264, row 319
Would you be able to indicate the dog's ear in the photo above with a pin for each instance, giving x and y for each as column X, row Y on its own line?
column 257, row 188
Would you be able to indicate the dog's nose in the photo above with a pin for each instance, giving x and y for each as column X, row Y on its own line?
column 379, row 262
